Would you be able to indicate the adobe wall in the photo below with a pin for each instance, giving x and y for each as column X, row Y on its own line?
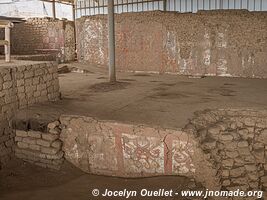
column 223, row 149
column 22, row 84
column 222, row 43
column 44, row 35
column 236, row 143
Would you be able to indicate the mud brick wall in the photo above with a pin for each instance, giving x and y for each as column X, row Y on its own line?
column 22, row 85
column 236, row 142
column 41, row 148
column 127, row 150
column 6, row 140
column 212, row 43
column 222, row 149
column 44, row 33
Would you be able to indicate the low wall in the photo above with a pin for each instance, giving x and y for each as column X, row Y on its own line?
column 23, row 84
column 236, row 142
column 40, row 148
column 117, row 149
column 44, row 35
column 221, row 149
column 33, row 57
column 212, row 43
column 111, row 148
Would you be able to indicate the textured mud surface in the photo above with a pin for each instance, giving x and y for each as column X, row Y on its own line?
column 164, row 100
column 216, row 43
column 25, row 181
column 107, row 87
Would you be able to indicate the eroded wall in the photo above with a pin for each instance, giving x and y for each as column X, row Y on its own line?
column 236, row 142
column 44, row 35
column 21, row 85
column 223, row 43
column 223, row 149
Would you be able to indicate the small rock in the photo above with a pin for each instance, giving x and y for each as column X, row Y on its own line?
column 253, row 176
column 232, row 154
column 239, row 181
column 225, row 173
column 53, row 125
column 21, row 133
column 264, row 179
column 237, row 172
column 49, row 137
column 250, row 168
column 226, row 183
column 226, row 137
column 228, row 163
column 244, row 151
column 244, row 133
column 242, row 144
column 57, row 144
column 254, row 185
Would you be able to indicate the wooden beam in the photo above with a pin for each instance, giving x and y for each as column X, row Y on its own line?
column 68, row 2
column 7, row 38
column 7, row 25
column 3, row 42
column 4, row 23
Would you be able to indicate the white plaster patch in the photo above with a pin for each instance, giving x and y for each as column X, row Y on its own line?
column 143, row 154
column 182, row 152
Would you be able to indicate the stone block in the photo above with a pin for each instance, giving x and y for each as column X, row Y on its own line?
column 18, row 139
column 237, row 172
column 226, row 183
column 226, row 137
column 34, row 134
column 28, row 74
column 23, row 145
column 250, row 168
column 244, row 133
column 53, row 125
column 29, row 140
column 57, row 156
column 225, row 173
column 242, row 144
column 34, row 147
column 231, row 154
column 228, row 163
column 43, row 143
column 20, row 82
column 57, row 144
column 49, row 150
column 49, row 137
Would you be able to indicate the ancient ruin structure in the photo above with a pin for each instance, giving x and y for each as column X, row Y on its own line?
column 153, row 92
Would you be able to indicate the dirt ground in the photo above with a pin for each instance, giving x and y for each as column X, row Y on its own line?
column 159, row 100
column 163, row 100
column 23, row 181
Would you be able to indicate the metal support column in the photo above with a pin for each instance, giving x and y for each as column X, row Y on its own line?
column 221, row 4
column 111, row 41
column 54, row 9
column 164, row 5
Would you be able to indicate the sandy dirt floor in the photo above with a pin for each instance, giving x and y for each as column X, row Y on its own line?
column 23, row 181
column 162, row 100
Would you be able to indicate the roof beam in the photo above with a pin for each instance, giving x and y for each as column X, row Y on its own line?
column 68, row 2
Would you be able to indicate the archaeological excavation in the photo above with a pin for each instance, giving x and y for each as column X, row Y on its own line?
column 116, row 99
